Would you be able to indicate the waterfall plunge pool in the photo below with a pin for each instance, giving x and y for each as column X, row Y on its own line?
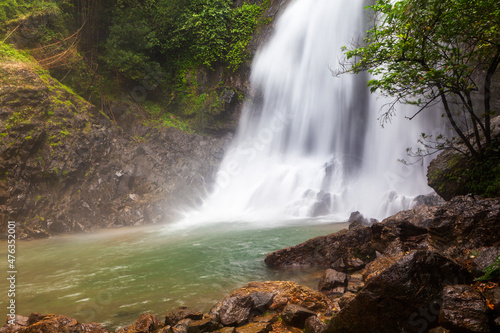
column 113, row 276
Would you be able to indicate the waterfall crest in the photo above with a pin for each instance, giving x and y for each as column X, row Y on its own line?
column 308, row 143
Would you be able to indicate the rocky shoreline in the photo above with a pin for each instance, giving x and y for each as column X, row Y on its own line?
column 413, row 272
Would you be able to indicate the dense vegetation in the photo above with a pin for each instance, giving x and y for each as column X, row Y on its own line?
column 441, row 56
column 148, row 52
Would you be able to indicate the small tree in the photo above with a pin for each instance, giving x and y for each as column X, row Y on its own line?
column 421, row 52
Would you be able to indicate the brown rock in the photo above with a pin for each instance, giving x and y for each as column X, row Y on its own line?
column 287, row 292
column 147, row 323
column 295, row 315
column 419, row 216
column 267, row 318
column 439, row 330
column 393, row 237
column 332, row 279
column 236, row 310
column 314, row 325
column 203, row 325
column 465, row 223
column 255, row 328
column 182, row 326
column 226, row 330
column 463, row 310
column 346, row 299
column 393, row 300
column 354, row 283
column 20, row 323
column 379, row 265
column 166, row 329
column 38, row 323
column 182, row 313
column 323, row 251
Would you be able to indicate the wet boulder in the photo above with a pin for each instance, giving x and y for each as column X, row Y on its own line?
column 182, row 313
column 285, row 292
column 357, row 220
column 314, row 325
column 332, row 281
column 403, row 297
column 18, row 324
column 323, row 251
column 465, row 222
column 51, row 323
column 147, row 323
column 463, row 310
column 202, row 325
column 295, row 315
column 236, row 310
column 255, row 328
column 393, row 237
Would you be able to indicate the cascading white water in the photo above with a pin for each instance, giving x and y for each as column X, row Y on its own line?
column 308, row 143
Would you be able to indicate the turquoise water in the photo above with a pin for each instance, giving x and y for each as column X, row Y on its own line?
column 115, row 275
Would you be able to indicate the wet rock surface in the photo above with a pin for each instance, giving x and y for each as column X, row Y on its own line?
column 324, row 251
column 463, row 309
column 389, row 301
column 397, row 270
column 145, row 324
column 296, row 316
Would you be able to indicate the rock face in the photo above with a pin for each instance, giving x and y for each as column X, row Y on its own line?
column 65, row 167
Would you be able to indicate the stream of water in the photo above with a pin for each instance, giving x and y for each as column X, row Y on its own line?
column 113, row 276
column 309, row 143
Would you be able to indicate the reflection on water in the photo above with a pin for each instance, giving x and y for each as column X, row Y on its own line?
column 113, row 276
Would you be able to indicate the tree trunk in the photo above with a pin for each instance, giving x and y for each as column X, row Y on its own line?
column 487, row 95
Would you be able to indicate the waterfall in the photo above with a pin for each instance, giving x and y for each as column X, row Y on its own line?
column 309, row 143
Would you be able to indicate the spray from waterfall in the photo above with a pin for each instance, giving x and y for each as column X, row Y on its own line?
column 309, row 144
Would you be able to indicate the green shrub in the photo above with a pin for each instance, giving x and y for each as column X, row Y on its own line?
column 492, row 271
